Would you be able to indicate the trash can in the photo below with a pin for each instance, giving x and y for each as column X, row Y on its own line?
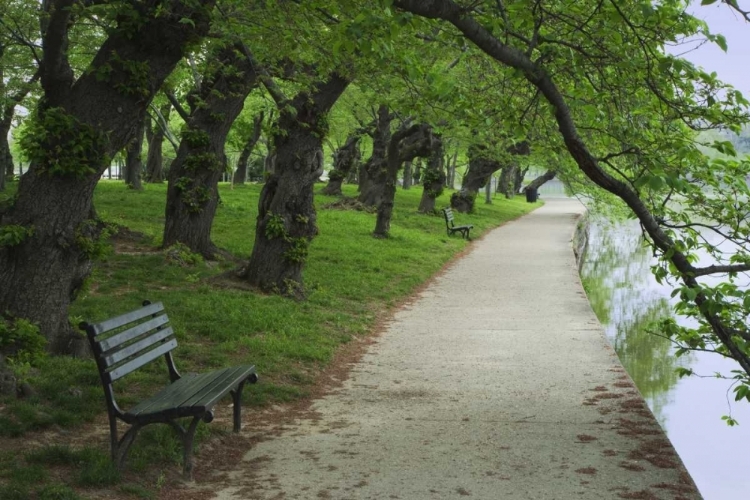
column 531, row 195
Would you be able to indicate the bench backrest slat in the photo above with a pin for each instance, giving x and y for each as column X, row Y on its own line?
column 126, row 318
column 128, row 335
column 129, row 341
column 141, row 360
column 137, row 347
column 448, row 212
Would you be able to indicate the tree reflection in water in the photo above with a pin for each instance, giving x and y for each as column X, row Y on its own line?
column 615, row 275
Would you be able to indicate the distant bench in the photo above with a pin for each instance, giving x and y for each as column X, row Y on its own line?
column 452, row 227
column 123, row 344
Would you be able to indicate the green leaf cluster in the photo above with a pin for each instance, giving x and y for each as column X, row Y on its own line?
column 21, row 342
column 62, row 145
column 12, row 235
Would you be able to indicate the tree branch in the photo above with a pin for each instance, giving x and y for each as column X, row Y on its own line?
column 177, row 106
column 734, row 268
column 164, row 126
column 57, row 75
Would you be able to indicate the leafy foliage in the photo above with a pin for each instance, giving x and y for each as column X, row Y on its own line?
column 62, row 145
column 21, row 343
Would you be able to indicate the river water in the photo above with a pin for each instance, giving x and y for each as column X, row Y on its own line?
column 626, row 298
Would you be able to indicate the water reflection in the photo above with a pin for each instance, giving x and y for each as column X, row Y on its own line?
column 615, row 275
column 626, row 298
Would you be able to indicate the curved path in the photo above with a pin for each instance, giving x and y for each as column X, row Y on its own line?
column 496, row 383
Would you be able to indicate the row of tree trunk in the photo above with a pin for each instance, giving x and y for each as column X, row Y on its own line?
column 41, row 274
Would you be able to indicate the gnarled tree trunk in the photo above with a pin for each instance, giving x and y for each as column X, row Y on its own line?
column 240, row 175
column 408, row 171
column 192, row 195
column 286, row 215
column 40, row 273
column 133, row 163
column 506, row 183
column 6, row 160
column 345, row 159
column 518, row 179
column 269, row 163
column 539, row 181
column 479, row 172
column 433, row 179
column 405, row 145
column 155, row 159
column 451, row 168
column 372, row 182
column 481, row 167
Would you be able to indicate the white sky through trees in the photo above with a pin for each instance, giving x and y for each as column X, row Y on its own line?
column 732, row 66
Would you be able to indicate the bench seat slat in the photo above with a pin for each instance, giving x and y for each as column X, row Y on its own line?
column 147, row 357
column 191, row 394
column 137, row 347
column 131, row 333
column 126, row 318
column 174, row 394
column 220, row 387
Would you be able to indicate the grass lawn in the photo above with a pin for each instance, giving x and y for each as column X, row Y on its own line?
column 352, row 280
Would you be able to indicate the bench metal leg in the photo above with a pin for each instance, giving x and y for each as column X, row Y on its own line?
column 237, row 401
column 120, row 452
column 119, row 447
column 188, row 439
column 113, row 441
column 237, row 406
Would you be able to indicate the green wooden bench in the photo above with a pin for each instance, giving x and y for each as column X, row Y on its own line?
column 451, row 225
column 123, row 344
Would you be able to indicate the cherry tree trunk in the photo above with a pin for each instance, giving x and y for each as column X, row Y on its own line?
column 240, row 175
column 506, row 184
column 539, row 181
column 362, row 177
column 518, row 179
column 478, row 174
column 408, row 179
column 405, row 145
column 451, row 167
column 6, row 160
column 376, row 167
column 41, row 272
column 433, row 179
column 481, row 167
column 155, row 158
column 286, row 222
column 345, row 159
column 192, row 194
column 133, row 162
